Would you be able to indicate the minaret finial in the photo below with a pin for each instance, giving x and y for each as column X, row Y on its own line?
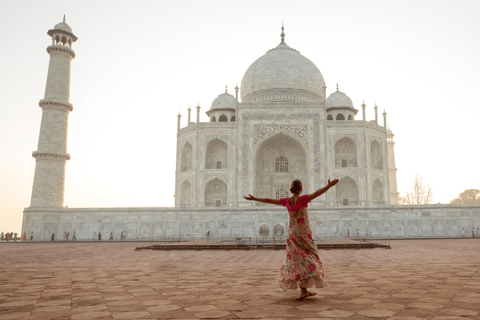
column 282, row 34
column 337, row 86
column 225, row 88
column 63, row 18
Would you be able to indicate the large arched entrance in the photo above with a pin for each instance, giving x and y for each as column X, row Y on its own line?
column 279, row 159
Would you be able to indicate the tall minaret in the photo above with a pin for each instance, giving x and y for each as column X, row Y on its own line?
column 51, row 155
column 392, row 171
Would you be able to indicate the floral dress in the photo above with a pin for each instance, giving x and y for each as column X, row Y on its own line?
column 303, row 267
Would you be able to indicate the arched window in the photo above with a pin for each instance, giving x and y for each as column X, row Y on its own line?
column 281, row 164
column 212, row 119
column 377, row 192
column 64, row 40
column 281, row 193
column 350, row 117
column 232, row 119
column 329, row 117
column 57, row 40
column 345, row 153
column 215, row 193
column 340, row 116
column 185, row 194
column 376, row 159
column 346, row 192
column 278, row 230
column 264, row 231
column 223, row 118
column 186, row 157
column 216, row 155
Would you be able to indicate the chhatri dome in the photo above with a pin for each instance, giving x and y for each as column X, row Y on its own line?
column 339, row 99
column 282, row 74
column 223, row 101
column 63, row 26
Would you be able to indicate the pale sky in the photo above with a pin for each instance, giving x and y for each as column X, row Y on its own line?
column 138, row 63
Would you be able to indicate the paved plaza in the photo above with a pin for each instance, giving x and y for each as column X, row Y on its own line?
column 416, row 279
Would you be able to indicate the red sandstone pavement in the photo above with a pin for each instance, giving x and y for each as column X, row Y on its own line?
column 416, row 279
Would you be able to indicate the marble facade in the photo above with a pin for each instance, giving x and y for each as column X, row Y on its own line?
column 425, row 221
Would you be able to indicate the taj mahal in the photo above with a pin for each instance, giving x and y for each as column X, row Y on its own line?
column 278, row 126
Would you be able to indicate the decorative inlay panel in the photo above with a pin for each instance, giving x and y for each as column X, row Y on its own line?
column 262, row 131
column 208, row 177
column 339, row 136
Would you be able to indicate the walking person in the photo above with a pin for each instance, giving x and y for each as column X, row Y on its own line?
column 68, row 235
column 53, row 237
column 74, row 236
column 31, row 235
column 99, row 236
column 111, row 236
column 303, row 267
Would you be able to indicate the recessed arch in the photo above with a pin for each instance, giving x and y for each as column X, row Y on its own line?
column 64, row 40
column 350, row 117
column 345, row 153
column 266, row 177
column 185, row 194
column 57, row 40
column 264, row 231
column 340, row 116
column 346, row 192
column 278, row 230
column 186, row 157
column 216, row 155
column 232, row 119
column 329, row 117
column 376, row 158
column 212, row 119
column 215, row 193
column 223, row 118
column 378, row 192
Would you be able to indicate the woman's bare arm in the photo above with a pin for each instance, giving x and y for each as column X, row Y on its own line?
column 264, row 200
column 321, row 191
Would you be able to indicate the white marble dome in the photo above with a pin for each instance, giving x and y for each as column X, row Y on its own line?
column 339, row 99
column 223, row 101
column 63, row 26
column 282, row 74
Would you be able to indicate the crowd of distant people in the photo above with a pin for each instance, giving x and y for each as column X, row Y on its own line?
column 66, row 236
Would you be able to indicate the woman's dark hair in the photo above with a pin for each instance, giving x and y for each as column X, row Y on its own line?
column 296, row 186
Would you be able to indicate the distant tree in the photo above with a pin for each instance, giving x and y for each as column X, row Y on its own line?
column 470, row 196
column 419, row 194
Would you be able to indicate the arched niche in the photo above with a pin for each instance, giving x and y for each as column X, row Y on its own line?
column 329, row 117
column 186, row 157
column 378, row 192
column 264, row 230
column 185, row 194
column 212, row 119
column 345, row 153
column 223, row 231
column 278, row 230
column 279, row 159
column 376, row 158
column 215, row 193
column 350, row 117
column 232, row 119
column 223, row 118
column 340, row 116
column 216, row 156
column 281, row 193
column 346, row 192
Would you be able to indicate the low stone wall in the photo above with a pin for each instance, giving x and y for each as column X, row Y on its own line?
column 394, row 221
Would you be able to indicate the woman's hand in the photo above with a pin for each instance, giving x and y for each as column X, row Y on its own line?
column 250, row 197
column 332, row 183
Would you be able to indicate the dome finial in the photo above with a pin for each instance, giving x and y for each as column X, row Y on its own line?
column 282, row 34
column 63, row 18
column 337, row 86
column 225, row 88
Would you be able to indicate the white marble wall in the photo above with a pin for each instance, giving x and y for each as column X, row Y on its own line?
column 394, row 221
